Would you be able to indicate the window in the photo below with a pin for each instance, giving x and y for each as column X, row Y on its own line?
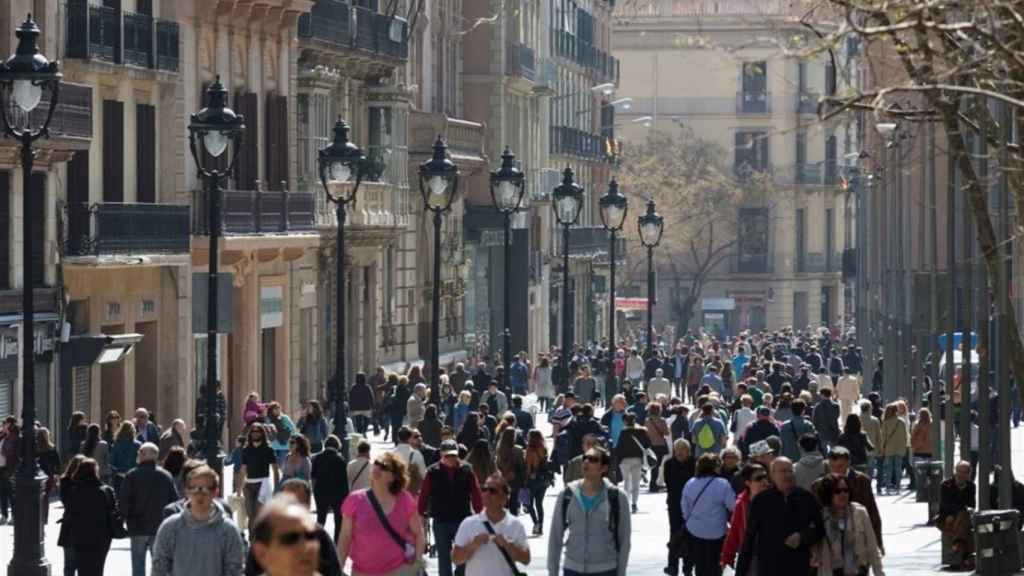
column 830, row 78
column 145, row 153
column 831, row 160
column 751, row 152
column 754, row 97
column 752, row 228
column 113, row 151
column 799, row 310
column 801, row 240
column 389, row 286
column 277, row 142
column 829, row 240
column 801, row 76
column 801, row 148
column 380, row 141
column 5, row 229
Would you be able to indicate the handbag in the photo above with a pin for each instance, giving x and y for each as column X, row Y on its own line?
column 115, row 521
column 504, row 554
column 408, row 550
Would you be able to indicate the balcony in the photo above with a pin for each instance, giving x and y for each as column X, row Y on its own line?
column 521, row 61
column 753, row 102
column 104, row 34
column 807, row 102
column 71, row 126
column 585, row 54
column 112, row 229
column 249, row 212
column 571, row 141
column 809, row 173
column 336, row 34
column 378, row 205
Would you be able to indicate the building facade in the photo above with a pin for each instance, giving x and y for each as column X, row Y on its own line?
column 761, row 107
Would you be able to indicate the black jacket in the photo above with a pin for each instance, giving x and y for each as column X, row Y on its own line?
column 632, row 443
column 450, row 498
column 330, row 478
column 771, row 519
column 757, row 430
column 826, row 421
column 88, row 514
column 578, row 429
column 145, row 491
column 360, row 398
column 677, row 474
column 430, row 429
column 954, row 499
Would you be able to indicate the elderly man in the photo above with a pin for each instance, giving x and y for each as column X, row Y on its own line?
column 145, row 491
column 285, row 541
column 783, row 525
column 299, row 491
column 145, row 428
column 958, row 497
column 415, row 407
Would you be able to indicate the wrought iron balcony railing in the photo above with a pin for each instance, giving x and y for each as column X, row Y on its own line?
column 110, row 35
column 257, row 212
column 125, row 229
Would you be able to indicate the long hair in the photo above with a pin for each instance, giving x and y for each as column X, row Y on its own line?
column 77, row 421
column 73, row 464
column 126, row 431
column 536, row 451
column 92, row 438
column 506, row 446
column 853, row 425
column 315, row 410
column 174, row 460
column 480, row 459
column 43, row 441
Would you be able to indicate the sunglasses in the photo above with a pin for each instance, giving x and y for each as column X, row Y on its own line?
column 293, row 538
column 594, row 459
column 841, row 491
column 492, row 490
column 759, row 478
column 200, row 489
column 383, row 467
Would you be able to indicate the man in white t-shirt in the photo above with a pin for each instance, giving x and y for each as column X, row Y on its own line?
column 487, row 543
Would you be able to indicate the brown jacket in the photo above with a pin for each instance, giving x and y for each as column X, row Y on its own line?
column 860, row 492
column 920, row 439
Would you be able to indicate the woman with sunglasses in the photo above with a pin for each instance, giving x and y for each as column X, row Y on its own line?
column 381, row 529
column 755, row 480
column 111, row 425
column 849, row 547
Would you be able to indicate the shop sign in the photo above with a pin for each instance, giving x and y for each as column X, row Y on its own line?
column 44, row 342
column 271, row 306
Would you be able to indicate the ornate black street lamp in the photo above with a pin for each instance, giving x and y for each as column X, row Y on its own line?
column 340, row 173
column 439, row 182
column 613, row 207
column 651, row 226
column 209, row 132
column 507, row 188
column 23, row 79
column 568, row 201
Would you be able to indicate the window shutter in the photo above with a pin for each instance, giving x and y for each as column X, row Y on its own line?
column 78, row 202
column 38, row 215
column 277, row 141
column 247, row 167
column 145, row 151
column 113, row 151
column 5, row 229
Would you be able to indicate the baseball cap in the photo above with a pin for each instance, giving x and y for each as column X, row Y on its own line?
column 764, row 411
column 449, row 447
column 760, row 448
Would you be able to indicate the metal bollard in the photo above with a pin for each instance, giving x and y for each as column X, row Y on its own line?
column 997, row 542
column 921, row 481
column 932, row 478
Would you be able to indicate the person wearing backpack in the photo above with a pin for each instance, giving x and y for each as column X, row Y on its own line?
column 590, row 524
column 708, row 432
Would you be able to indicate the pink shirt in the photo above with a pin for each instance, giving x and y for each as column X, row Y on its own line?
column 373, row 550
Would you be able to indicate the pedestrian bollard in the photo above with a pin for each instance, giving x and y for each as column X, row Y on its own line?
column 921, row 481
column 996, row 542
column 932, row 479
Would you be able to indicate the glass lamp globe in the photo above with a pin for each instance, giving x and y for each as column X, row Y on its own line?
column 27, row 94
column 437, row 185
column 216, row 142
column 506, row 196
column 567, row 209
column 340, row 173
column 650, row 231
column 614, row 215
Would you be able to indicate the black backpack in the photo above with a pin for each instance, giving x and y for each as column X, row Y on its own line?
column 613, row 502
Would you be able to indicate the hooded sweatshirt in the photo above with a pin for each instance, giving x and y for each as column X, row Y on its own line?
column 185, row 546
column 809, row 468
column 590, row 546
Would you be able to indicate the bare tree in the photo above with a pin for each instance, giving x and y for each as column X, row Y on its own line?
column 699, row 198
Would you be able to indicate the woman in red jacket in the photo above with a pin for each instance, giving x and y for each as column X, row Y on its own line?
column 755, row 477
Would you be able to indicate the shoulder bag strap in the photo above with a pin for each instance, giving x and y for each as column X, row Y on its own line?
column 504, row 553
column 385, row 522
column 701, row 493
column 360, row 473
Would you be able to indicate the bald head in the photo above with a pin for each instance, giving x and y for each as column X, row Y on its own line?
column 782, row 474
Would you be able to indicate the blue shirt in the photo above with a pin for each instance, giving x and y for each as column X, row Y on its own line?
column 587, row 502
column 739, row 363
column 714, row 381
column 615, row 427
column 716, row 427
column 708, row 517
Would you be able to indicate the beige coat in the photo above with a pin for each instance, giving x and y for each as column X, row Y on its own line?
column 873, row 428
column 865, row 546
column 895, row 437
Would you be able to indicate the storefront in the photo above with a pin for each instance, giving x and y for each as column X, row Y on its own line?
column 10, row 366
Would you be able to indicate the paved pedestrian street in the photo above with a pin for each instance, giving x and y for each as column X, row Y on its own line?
column 912, row 549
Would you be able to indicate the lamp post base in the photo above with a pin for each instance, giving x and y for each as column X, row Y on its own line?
column 216, row 462
column 28, row 559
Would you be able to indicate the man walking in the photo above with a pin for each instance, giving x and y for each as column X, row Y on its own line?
column 590, row 524
column 847, row 392
column 449, row 494
column 492, row 542
column 783, row 525
column 826, row 420
column 200, row 540
column 145, row 491
column 793, row 429
column 329, row 477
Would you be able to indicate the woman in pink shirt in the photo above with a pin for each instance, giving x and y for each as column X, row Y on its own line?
column 374, row 549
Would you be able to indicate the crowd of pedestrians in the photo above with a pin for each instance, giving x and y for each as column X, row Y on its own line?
column 769, row 448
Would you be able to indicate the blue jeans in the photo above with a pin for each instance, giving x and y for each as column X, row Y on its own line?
column 140, row 544
column 892, row 471
column 444, row 536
